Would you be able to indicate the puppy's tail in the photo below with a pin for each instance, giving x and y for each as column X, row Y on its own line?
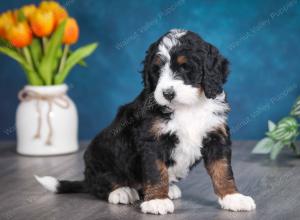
column 61, row 186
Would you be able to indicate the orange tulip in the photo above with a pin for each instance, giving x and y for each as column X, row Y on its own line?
column 7, row 19
column 58, row 11
column 42, row 23
column 71, row 33
column 20, row 35
column 28, row 10
column 60, row 14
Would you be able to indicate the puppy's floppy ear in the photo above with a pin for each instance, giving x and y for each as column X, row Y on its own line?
column 146, row 72
column 216, row 71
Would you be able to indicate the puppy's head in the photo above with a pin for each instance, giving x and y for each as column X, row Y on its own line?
column 181, row 66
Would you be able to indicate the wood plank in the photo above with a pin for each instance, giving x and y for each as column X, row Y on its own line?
column 274, row 186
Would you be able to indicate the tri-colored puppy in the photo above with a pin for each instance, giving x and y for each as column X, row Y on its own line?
column 178, row 118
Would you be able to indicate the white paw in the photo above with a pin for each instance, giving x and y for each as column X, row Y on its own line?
column 123, row 195
column 237, row 202
column 158, row 206
column 174, row 192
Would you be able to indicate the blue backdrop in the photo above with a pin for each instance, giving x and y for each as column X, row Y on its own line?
column 260, row 38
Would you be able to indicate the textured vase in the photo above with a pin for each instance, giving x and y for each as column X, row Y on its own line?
column 46, row 121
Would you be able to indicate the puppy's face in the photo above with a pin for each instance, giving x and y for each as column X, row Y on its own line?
column 180, row 67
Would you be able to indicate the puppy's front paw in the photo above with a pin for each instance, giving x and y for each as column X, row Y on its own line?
column 174, row 192
column 158, row 206
column 237, row 202
column 123, row 195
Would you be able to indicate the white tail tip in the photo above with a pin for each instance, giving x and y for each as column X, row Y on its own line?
column 50, row 183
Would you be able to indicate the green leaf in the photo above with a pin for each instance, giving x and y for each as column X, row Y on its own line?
column 276, row 149
column 56, row 61
column 73, row 59
column 296, row 108
column 271, row 125
column 6, row 43
column 49, row 60
column 14, row 55
column 294, row 147
column 32, row 76
column 36, row 52
column 264, row 146
column 285, row 131
column 81, row 63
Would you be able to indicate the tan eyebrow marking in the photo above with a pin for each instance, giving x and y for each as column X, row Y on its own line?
column 157, row 60
column 181, row 59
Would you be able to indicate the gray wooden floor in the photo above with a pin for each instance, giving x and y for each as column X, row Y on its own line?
column 274, row 185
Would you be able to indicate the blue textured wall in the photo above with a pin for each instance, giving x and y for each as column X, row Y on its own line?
column 260, row 38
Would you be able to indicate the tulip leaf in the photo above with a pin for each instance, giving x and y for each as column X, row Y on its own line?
column 36, row 52
column 264, row 146
column 32, row 76
column 49, row 60
column 14, row 55
column 80, row 62
column 56, row 62
column 73, row 59
column 6, row 43
column 276, row 150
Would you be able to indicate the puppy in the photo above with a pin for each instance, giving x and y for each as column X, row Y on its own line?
column 179, row 118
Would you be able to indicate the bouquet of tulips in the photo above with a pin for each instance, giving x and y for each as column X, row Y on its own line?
column 39, row 39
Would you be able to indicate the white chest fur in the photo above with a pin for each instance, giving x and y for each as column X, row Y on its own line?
column 191, row 124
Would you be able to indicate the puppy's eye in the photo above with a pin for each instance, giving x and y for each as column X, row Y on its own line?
column 184, row 68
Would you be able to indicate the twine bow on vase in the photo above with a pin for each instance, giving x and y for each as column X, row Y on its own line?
column 57, row 99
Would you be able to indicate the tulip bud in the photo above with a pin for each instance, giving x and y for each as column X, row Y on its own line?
column 42, row 23
column 20, row 35
column 58, row 11
column 7, row 19
column 71, row 33
column 28, row 10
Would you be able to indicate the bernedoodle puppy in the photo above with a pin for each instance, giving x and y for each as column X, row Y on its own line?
column 179, row 118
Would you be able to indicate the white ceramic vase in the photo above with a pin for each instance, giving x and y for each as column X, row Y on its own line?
column 46, row 121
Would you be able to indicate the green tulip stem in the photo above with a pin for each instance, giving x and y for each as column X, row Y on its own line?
column 44, row 42
column 32, row 76
column 63, row 58
column 27, row 56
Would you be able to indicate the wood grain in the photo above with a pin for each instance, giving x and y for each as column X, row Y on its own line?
column 274, row 185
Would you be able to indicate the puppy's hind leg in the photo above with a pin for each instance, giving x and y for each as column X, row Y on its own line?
column 105, row 186
column 123, row 195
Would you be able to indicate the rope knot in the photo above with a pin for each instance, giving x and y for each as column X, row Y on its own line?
column 57, row 99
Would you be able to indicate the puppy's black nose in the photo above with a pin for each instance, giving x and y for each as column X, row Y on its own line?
column 169, row 94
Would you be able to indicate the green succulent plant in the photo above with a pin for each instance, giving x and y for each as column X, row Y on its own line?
column 280, row 135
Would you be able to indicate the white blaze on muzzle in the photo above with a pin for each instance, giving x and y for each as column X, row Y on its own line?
column 183, row 94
